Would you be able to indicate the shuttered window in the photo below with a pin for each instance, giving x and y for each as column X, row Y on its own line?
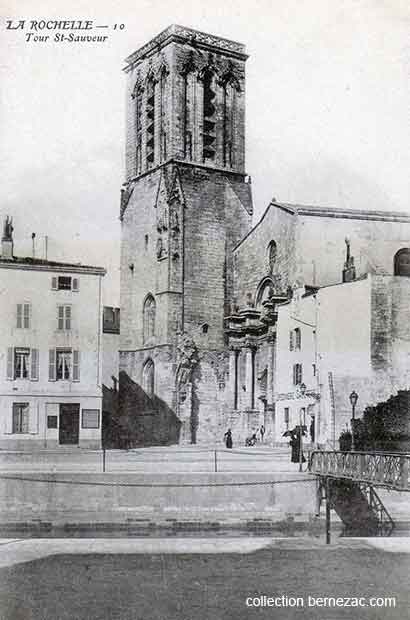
column 65, row 283
column 23, row 316
column 64, row 318
column 291, row 341
column 22, row 363
column 21, row 413
column 64, row 365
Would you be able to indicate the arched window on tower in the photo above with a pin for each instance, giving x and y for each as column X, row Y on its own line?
column 163, row 109
column 149, row 318
column 189, row 94
column 137, row 96
column 402, row 262
column 231, row 87
column 209, row 113
column 148, row 377
column 150, row 121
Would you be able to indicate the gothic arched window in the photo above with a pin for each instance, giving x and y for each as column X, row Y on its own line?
column 137, row 96
column 402, row 262
column 272, row 253
column 150, row 122
column 209, row 85
column 189, row 94
column 148, row 377
column 163, row 112
column 149, row 318
column 265, row 291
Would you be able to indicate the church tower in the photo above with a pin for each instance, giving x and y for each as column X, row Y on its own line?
column 186, row 202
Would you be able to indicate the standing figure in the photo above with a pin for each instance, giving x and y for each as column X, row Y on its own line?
column 262, row 432
column 295, row 445
column 228, row 438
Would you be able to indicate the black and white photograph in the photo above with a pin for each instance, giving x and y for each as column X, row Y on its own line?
column 205, row 310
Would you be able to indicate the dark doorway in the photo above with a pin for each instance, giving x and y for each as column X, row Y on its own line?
column 69, row 424
column 402, row 263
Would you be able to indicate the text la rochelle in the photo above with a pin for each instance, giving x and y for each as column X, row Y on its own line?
column 51, row 24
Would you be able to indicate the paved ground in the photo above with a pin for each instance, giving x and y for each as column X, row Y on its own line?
column 152, row 460
column 171, row 579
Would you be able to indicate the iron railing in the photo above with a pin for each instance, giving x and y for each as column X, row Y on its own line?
column 378, row 468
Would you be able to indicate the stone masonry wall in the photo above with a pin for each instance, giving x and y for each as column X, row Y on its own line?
column 251, row 256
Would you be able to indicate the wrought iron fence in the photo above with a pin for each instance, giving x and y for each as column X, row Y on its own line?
column 378, row 468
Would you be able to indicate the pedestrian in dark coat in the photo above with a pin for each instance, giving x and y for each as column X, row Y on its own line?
column 295, row 445
column 228, row 438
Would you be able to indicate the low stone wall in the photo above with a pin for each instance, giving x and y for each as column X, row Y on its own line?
column 79, row 497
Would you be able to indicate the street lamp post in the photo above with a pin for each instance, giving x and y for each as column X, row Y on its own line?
column 353, row 401
column 302, row 389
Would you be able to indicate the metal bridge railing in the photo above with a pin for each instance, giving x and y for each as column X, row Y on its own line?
column 377, row 468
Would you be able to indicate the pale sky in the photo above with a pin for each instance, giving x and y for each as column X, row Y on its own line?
column 328, row 112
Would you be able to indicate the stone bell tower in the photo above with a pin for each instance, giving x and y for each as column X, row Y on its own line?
column 186, row 202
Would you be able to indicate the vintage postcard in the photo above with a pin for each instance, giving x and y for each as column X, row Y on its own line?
column 204, row 310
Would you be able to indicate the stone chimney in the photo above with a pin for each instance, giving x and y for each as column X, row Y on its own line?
column 7, row 238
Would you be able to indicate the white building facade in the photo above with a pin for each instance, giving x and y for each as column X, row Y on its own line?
column 50, row 353
column 334, row 340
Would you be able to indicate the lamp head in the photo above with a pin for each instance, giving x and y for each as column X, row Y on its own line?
column 353, row 398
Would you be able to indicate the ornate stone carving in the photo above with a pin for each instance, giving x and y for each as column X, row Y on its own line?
column 161, row 249
column 187, row 358
column 174, row 220
column 175, row 244
column 219, row 363
column 126, row 193
column 189, row 65
column 229, row 76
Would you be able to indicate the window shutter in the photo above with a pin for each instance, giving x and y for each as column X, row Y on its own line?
column 54, row 283
column 26, row 316
column 34, row 364
column 297, row 338
column 52, row 365
column 300, row 374
column 60, row 317
column 76, row 365
column 10, row 364
column 291, row 341
column 19, row 315
column 76, row 284
column 68, row 317
column 33, row 420
column 8, row 422
column 294, row 374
